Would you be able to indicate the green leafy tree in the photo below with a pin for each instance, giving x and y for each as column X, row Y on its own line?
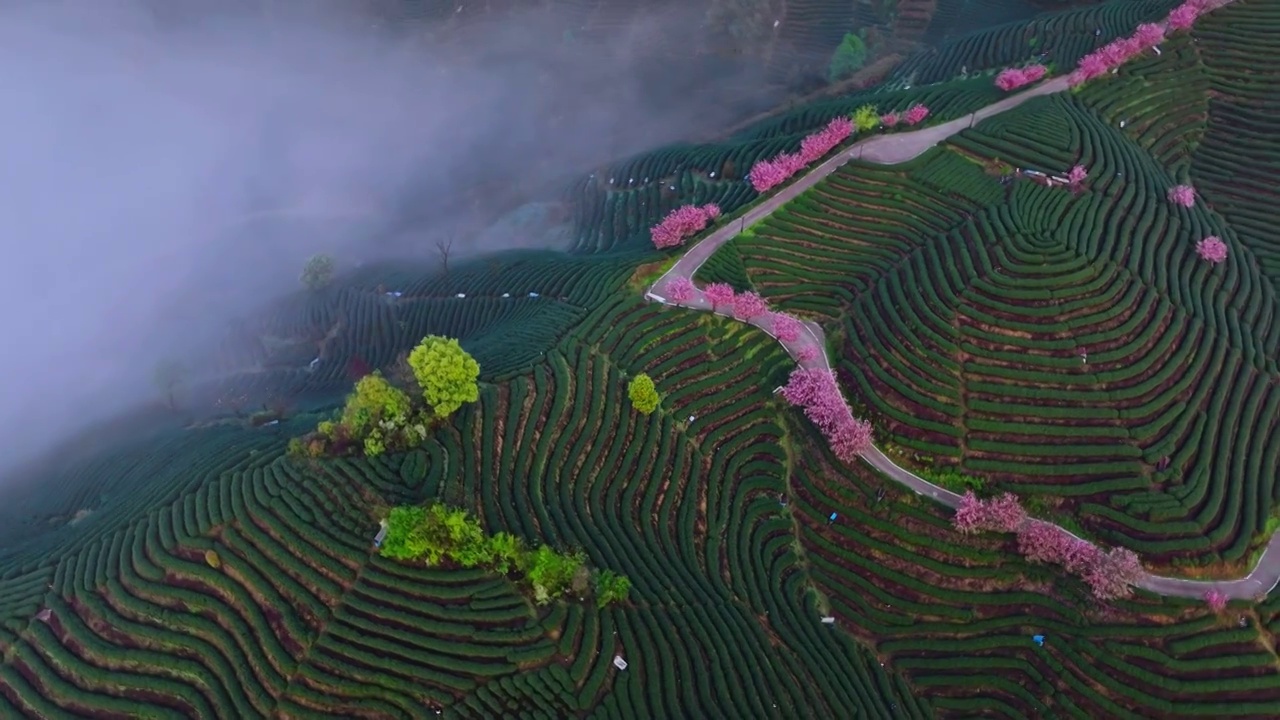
column 550, row 573
column 406, row 539
column 866, row 118
column 454, row 535
column 446, row 373
column 611, row 587
column 848, row 58
column 643, row 393
column 374, row 401
column 507, row 551
column 318, row 272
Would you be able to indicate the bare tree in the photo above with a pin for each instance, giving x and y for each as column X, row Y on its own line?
column 444, row 246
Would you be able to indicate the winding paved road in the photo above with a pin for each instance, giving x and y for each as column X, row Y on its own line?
column 892, row 149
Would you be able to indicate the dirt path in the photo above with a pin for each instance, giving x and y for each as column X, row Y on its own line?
column 890, row 150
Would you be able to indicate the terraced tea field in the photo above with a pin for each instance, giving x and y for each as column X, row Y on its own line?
column 1056, row 343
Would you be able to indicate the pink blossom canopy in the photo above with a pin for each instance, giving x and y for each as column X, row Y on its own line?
column 1184, row 16
column 785, row 327
column 1212, row 249
column 719, row 294
column 816, row 390
column 1118, row 51
column 889, row 119
column 1014, row 78
column 1216, row 601
column 1183, row 195
column 680, row 290
column 1077, row 175
column 1148, row 35
column 807, row 353
column 1109, row 575
column 682, row 223
column 915, row 114
column 1002, row 514
column 768, row 174
column 749, row 305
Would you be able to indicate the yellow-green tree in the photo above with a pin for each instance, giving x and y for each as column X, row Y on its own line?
column 374, row 402
column 446, row 373
column 643, row 393
column 866, row 118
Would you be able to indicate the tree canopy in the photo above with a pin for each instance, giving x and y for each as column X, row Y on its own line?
column 437, row 534
column 318, row 272
column 446, row 373
column 643, row 393
column 848, row 58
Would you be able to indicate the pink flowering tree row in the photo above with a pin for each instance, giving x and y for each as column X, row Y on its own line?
column 1116, row 53
column 1000, row 514
column 682, row 223
column 816, row 390
column 1145, row 36
column 913, row 115
column 1014, row 78
column 768, row 174
column 1185, row 15
column 1109, row 574
column 745, row 306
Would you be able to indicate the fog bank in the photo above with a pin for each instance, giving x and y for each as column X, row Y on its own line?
column 140, row 139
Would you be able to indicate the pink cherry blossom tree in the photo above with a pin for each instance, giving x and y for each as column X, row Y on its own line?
column 681, row 290
column 785, row 327
column 749, row 305
column 1216, row 601
column 816, row 390
column 768, row 174
column 915, row 114
column 681, row 223
column 890, row 119
column 1014, row 78
column 806, row 354
column 1183, row 195
column 1185, row 15
column 1148, row 35
column 817, row 144
column 719, row 294
column 1001, row 514
column 1077, row 176
column 1090, row 66
column 1212, row 249
column 1042, row 542
column 850, row 438
column 1110, row 575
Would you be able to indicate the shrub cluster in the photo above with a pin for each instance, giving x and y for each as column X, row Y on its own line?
column 379, row 417
column 436, row 535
